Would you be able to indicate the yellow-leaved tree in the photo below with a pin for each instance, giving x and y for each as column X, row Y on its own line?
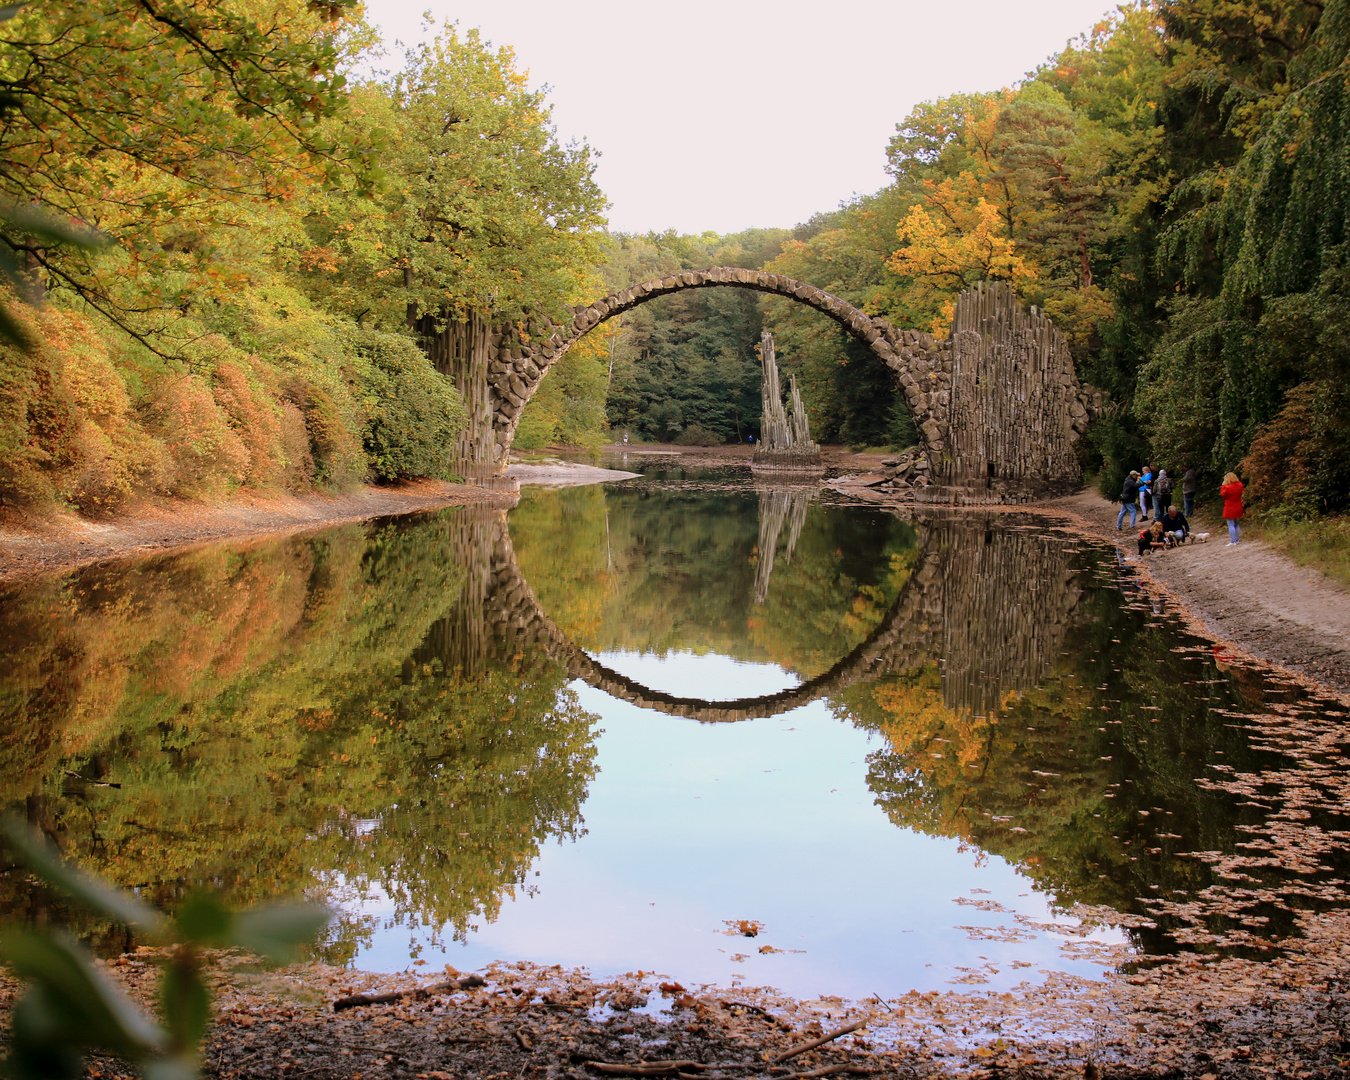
column 963, row 228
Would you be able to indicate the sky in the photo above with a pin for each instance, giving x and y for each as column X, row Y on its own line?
column 725, row 115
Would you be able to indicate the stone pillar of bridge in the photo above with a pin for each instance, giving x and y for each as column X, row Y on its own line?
column 463, row 349
column 1014, row 407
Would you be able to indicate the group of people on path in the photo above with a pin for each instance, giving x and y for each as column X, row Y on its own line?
column 1144, row 492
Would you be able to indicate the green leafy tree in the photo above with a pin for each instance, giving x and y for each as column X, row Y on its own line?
column 490, row 212
column 159, row 123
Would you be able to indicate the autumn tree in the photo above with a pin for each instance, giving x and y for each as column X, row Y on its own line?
column 158, row 122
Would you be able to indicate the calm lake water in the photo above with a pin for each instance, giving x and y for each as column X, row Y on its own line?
column 620, row 726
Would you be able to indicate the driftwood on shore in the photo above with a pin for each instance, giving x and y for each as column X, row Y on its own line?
column 802, row 1048
column 357, row 1001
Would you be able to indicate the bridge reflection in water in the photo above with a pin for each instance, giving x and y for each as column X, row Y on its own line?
column 989, row 600
column 387, row 707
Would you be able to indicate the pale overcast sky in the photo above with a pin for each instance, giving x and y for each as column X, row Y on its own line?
column 729, row 114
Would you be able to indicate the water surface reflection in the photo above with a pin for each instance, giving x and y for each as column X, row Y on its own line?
column 480, row 732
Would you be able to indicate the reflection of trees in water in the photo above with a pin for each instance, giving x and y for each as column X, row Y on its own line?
column 1065, row 732
column 378, row 705
column 276, row 721
column 779, row 506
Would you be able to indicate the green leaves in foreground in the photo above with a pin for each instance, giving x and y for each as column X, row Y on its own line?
column 70, row 1009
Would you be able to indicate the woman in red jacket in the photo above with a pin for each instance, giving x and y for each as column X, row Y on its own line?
column 1231, row 493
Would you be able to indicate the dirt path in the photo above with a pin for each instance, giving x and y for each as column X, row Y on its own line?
column 1251, row 596
column 32, row 546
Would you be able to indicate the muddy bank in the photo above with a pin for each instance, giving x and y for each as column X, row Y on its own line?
column 31, row 546
column 1197, row 1016
column 1250, row 596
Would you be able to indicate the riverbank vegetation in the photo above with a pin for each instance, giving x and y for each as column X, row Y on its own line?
column 272, row 230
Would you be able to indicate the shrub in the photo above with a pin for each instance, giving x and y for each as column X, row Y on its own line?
column 298, row 463
column 413, row 412
column 207, row 456
column 254, row 418
column 1297, row 461
column 68, row 427
column 697, row 435
column 39, row 452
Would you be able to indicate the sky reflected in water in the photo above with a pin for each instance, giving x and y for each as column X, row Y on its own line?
column 690, row 826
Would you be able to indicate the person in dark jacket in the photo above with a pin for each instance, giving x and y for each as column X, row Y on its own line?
column 1128, row 494
column 1175, row 526
column 1190, row 484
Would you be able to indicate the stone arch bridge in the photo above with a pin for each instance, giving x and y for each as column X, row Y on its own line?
column 998, row 405
column 990, row 605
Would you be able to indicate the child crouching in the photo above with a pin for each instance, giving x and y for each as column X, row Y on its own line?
column 1152, row 537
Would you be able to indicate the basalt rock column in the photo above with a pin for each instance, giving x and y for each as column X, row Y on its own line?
column 461, row 349
column 1013, row 405
column 785, row 438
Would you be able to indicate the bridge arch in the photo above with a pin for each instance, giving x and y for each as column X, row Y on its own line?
column 997, row 405
column 523, row 360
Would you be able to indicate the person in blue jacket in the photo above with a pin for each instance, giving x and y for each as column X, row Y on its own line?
column 1146, row 491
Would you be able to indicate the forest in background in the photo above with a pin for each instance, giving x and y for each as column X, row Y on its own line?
column 1170, row 188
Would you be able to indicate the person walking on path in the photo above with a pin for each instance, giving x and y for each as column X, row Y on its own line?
column 1128, row 493
column 1190, row 484
column 1231, row 493
column 1145, row 490
column 1162, row 493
